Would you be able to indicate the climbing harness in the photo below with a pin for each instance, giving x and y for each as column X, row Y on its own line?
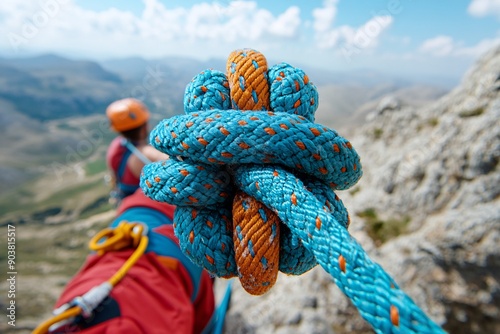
column 121, row 189
column 125, row 235
column 122, row 235
column 253, row 176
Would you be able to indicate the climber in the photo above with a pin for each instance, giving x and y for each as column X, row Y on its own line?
column 162, row 292
column 129, row 152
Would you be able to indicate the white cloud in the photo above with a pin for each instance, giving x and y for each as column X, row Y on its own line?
column 55, row 25
column 446, row 46
column 482, row 8
column 362, row 37
column 241, row 20
column 439, row 46
column 365, row 36
column 324, row 16
column 368, row 34
column 287, row 24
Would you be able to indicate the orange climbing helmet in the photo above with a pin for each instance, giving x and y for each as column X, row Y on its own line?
column 127, row 114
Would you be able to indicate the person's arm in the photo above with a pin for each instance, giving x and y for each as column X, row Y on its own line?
column 153, row 154
column 135, row 164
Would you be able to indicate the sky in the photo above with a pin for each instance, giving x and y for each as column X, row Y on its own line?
column 404, row 37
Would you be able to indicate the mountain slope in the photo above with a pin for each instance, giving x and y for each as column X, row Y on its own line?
column 439, row 166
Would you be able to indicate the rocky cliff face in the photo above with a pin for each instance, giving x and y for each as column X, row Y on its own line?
column 427, row 209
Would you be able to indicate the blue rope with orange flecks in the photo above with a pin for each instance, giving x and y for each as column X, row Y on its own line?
column 257, row 181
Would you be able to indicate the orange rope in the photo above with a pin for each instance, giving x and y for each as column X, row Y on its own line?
column 256, row 245
column 246, row 72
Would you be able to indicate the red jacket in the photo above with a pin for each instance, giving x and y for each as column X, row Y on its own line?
column 156, row 295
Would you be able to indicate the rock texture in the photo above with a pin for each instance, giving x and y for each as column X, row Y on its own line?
column 432, row 175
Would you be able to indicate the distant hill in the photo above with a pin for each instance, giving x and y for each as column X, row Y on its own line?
column 52, row 65
column 136, row 68
column 50, row 87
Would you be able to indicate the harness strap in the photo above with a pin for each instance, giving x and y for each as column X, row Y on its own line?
column 125, row 188
column 135, row 151
column 160, row 244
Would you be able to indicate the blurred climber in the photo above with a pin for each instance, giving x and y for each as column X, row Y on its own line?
column 162, row 292
column 129, row 152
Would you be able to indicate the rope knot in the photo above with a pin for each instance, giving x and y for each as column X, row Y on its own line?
column 248, row 133
column 253, row 179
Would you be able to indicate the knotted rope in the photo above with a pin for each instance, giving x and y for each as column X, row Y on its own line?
column 252, row 176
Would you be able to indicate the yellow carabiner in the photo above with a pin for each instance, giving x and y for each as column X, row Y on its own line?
column 112, row 239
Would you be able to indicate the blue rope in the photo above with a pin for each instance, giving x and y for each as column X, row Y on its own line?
column 291, row 165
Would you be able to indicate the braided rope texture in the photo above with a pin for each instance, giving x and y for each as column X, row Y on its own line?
column 253, row 179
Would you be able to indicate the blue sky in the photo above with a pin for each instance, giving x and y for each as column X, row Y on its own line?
column 404, row 37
